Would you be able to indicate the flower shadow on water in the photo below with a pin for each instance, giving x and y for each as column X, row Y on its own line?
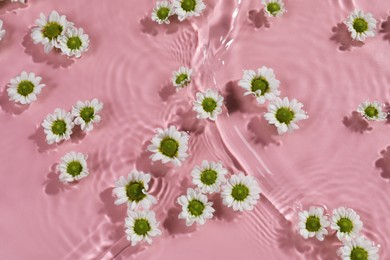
column 148, row 26
column 383, row 163
column 36, row 51
column 385, row 29
column 187, row 121
column 53, row 185
column 263, row 133
column 356, row 123
column 115, row 213
column 10, row 106
column 143, row 163
column 342, row 36
column 77, row 134
column 39, row 138
column 7, row 6
column 235, row 101
column 222, row 212
column 176, row 226
column 167, row 91
column 258, row 18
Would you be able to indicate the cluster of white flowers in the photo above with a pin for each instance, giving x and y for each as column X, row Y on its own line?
column 57, row 32
column 346, row 223
column 184, row 9
column 58, row 125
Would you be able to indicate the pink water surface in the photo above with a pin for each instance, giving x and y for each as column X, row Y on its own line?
column 335, row 159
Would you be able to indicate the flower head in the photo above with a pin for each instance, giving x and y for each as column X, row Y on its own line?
column 188, row 8
column 208, row 104
column 346, row 222
column 182, row 77
column 273, row 8
column 195, row 207
column 361, row 25
column 169, row 145
column 240, row 192
column 2, row 31
column 313, row 223
column 261, row 83
column 133, row 190
column 25, row 88
column 359, row 248
column 284, row 114
column 209, row 176
column 58, row 126
column 73, row 42
column 87, row 113
column 162, row 11
column 141, row 226
column 372, row 111
column 73, row 167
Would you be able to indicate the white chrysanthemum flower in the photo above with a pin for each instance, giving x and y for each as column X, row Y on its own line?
column 284, row 114
column 188, row 8
column 2, row 31
column 361, row 25
column 169, row 145
column 346, row 222
column 73, row 42
column 209, row 176
column 25, row 88
column 141, row 226
column 195, row 207
column 273, row 8
column 133, row 190
column 58, row 126
column 162, row 11
column 359, row 248
column 262, row 84
column 313, row 223
column 182, row 77
column 73, row 167
column 372, row 110
column 240, row 192
column 86, row 113
column 48, row 31
column 208, row 104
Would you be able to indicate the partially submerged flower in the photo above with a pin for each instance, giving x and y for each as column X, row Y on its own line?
column 182, row 77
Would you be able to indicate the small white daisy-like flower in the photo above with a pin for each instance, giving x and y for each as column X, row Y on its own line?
column 48, row 31
column 86, row 113
column 313, row 223
column 195, row 207
column 273, row 8
column 372, row 111
column 169, row 145
column 58, row 126
column 73, row 167
column 240, row 192
column 141, row 226
column 182, row 77
column 209, row 176
column 25, row 88
column 188, row 8
column 284, row 114
column 359, row 248
column 361, row 25
column 346, row 222
column 133, row 190
column 208, row 104
column 2, row 31
column 262, row 84
column 73, row 42
column 161, row 12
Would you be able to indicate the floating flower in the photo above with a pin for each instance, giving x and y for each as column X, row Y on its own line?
column 182, row 77
column 284, row 114
column 161, row 12
column 73, row 42
column 58, row 126
column 195, row 207
column 25, row 88
column 372, row 111
column 2, row 31
column 361, row 25
column 73, row 167
column 273, row 8
column 49, row 31
column 209, row 176
column 133, row 190
column 313, row 223
column 141, row 226
column 262, row 84
column 169, row 145
column 359, row 249
column 346, row 222
column 208, row 104
column 188, row 8
column 240, row 192
column 86, row 113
